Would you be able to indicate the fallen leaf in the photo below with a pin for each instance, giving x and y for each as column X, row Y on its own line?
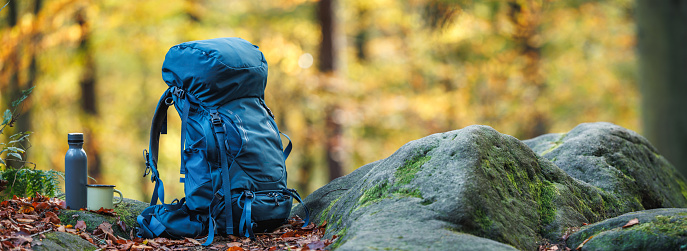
column 126, row 246
column 234, row 244
column 103, row 228
column 632, row 222
column 42, row 206
column 26, row 209
column 86, row 237
column 51, row 217
column 121, row 225
column 19, row 240
column 193, row 241
column 584, row 242
column 80, row 225
column 316, row 245
column 104, row 211
column 235, row 248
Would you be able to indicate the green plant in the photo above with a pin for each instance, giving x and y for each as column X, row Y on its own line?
column 19, row 179
column 25, row 182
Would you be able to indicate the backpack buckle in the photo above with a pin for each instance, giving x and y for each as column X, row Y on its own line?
column 178, row 92
column 249, row 194
column 216, row 120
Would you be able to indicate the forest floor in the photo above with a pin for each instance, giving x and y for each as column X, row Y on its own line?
column 26, row 221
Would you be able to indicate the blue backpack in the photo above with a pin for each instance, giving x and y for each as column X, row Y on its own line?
column 232, row 153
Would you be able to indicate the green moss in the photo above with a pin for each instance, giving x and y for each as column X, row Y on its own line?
column 403, row 175
column 545, row 205
column 323, row 216
column 556, row 144
column 683, row 187
column 373, row 194
column 63, row 241
column 666, row 225
column 408, row 193
column 511, row 177
column 482, row 220
column 339, row 240
column 406, row 173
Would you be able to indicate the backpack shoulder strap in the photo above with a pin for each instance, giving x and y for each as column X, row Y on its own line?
column 157, row 127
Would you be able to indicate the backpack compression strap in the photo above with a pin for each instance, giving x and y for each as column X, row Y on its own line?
column 220, row 133
column 158, row 126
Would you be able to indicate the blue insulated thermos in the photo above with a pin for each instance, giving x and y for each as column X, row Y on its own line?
column 75, row 172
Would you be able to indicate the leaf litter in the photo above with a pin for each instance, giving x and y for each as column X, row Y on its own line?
column 25, row 221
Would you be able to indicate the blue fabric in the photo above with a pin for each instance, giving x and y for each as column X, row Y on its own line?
column 246, row 224
column 287, row 151
column 216, row 71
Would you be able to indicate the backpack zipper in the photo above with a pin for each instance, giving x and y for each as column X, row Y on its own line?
column 267, row 109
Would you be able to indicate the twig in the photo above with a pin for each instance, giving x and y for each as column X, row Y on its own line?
column 3, row 7
column 269, row 233
column 44, row 231
column 33, row 235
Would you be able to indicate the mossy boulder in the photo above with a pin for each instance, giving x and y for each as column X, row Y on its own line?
column 59, row 241
column 475, row 183
column 126, row 212
column 618, row 161
column 658, row 229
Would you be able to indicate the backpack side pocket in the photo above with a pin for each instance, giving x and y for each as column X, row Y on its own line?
column 198, row 187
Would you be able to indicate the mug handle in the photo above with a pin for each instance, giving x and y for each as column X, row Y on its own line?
column 121, row 197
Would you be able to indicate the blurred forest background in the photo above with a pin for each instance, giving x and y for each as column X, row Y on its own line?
column 349, row 81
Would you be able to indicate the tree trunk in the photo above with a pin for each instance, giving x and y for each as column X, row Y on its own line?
column 24, row 124
column 526, row 19
column 88, row 97
column 328, row 66
column 662, row 32
column 13, row 90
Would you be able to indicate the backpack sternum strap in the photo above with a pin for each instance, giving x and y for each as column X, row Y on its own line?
column 220, row 132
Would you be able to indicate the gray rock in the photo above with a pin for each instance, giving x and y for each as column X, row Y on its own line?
column 658, row 229
column 126, row 212
column 58, row 241
column 479, row 184
column 618, row 161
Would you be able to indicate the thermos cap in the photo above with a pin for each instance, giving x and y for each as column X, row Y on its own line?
column 75, row 138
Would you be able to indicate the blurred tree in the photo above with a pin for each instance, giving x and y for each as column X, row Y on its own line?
column 412, row 68
column 328, row 65
column 526, row 18
column 12, row 89
column 89, row 95
column 662, row 32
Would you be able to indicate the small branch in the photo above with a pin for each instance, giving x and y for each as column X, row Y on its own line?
column 33, row 235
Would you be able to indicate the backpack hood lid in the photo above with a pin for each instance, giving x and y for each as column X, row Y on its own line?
column 216, row 71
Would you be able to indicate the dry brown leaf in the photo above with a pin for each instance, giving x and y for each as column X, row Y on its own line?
column 25, row 220
column 80, row 225
column 234, row 244
column 584, row 242
column 632, row 222
column 193, row 241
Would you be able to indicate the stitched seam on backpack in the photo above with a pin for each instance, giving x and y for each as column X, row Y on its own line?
column 181, row 47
